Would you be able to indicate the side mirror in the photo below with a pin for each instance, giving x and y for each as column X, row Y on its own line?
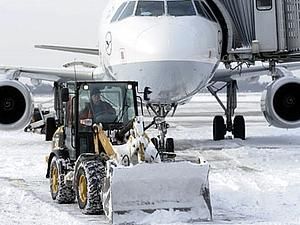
column 147, row 92
column 65, row 94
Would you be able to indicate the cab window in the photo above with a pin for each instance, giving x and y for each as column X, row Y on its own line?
column 180, row 8
column 117, row 98
column 118, row 12
column 69, row 108
column 128, row 11
column 150, row 8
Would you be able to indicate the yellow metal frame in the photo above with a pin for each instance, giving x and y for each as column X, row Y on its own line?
column 101, row 136
column 54, row 180
column 82, row 188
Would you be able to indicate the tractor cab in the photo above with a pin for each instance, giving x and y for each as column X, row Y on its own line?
column 111, row 104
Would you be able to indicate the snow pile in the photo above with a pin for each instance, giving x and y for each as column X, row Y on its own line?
column 159, row 217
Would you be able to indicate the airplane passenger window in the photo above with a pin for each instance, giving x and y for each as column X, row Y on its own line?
column 118, row 12
column 181, row 8
column 150, row 8
column 264, row 4
column 128, row 11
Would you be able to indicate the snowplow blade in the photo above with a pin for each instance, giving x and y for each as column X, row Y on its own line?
column 149, row 187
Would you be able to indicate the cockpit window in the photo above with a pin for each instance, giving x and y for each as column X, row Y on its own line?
column 200, row 9
column 203, row 10
column 181, row 8
column 150, row 8
column 118, row 12
column 128, row 11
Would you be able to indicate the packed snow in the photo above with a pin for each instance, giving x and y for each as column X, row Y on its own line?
column 256, row 181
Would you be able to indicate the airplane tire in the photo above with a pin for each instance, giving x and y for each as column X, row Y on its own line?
column 50, row 128
column 219, row 128
column 60, row 192
column 88, row 185
column 239, row 127
column 170, row 145
column 155, row 142
column 43, row 130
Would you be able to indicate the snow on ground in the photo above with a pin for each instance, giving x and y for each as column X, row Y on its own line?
column 256, row 181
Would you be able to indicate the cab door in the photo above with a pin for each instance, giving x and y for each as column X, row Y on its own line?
column 69, row 125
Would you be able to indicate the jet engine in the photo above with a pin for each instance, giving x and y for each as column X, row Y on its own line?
column 16, row 105
column 280, row 102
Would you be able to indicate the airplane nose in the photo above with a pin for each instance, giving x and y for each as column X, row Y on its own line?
column 175, row 42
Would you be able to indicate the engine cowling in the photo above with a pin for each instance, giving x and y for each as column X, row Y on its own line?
column 16, row 105
column 280, row 102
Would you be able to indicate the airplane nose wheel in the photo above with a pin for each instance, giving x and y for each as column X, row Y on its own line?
column 170, row 145
column 161, row 143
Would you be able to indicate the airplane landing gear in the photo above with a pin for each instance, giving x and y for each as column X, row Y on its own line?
column 162, row 143
column 237, row 127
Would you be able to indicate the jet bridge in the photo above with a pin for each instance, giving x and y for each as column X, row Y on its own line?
column 258, row 29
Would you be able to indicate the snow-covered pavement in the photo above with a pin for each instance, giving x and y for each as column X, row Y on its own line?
column 256, row 181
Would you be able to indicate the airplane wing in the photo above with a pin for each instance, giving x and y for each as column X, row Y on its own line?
column 48, row 74
column 248, row 73
column 89, row 51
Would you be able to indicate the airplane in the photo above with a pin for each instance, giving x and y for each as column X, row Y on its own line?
column 173, row 49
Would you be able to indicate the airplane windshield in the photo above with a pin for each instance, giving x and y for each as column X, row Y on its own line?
column 157, row 8
column 118, row 12
column 180, row 8
column 203, row 10
column 150, row 8
column 128, row 11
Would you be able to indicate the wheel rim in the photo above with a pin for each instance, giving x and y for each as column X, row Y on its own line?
column 54, row 184
column 82, row 189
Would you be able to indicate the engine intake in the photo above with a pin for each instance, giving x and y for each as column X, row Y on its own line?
column 281, row 103
column 16, row 105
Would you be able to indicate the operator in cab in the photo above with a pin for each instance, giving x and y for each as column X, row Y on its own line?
column 98, row 109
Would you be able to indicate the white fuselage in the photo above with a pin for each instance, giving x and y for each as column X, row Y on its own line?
column 174, row 56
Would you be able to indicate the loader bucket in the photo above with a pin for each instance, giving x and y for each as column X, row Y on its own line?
column 149, row 187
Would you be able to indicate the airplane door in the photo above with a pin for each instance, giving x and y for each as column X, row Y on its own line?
column 266, row 25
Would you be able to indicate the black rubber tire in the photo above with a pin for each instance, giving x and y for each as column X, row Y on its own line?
column 155, row 142
column 170, row 145
column 43, row 130
column 93, row 171
column 50, row 128
column 63, row 194
column 219, row 128
column 239, row 127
